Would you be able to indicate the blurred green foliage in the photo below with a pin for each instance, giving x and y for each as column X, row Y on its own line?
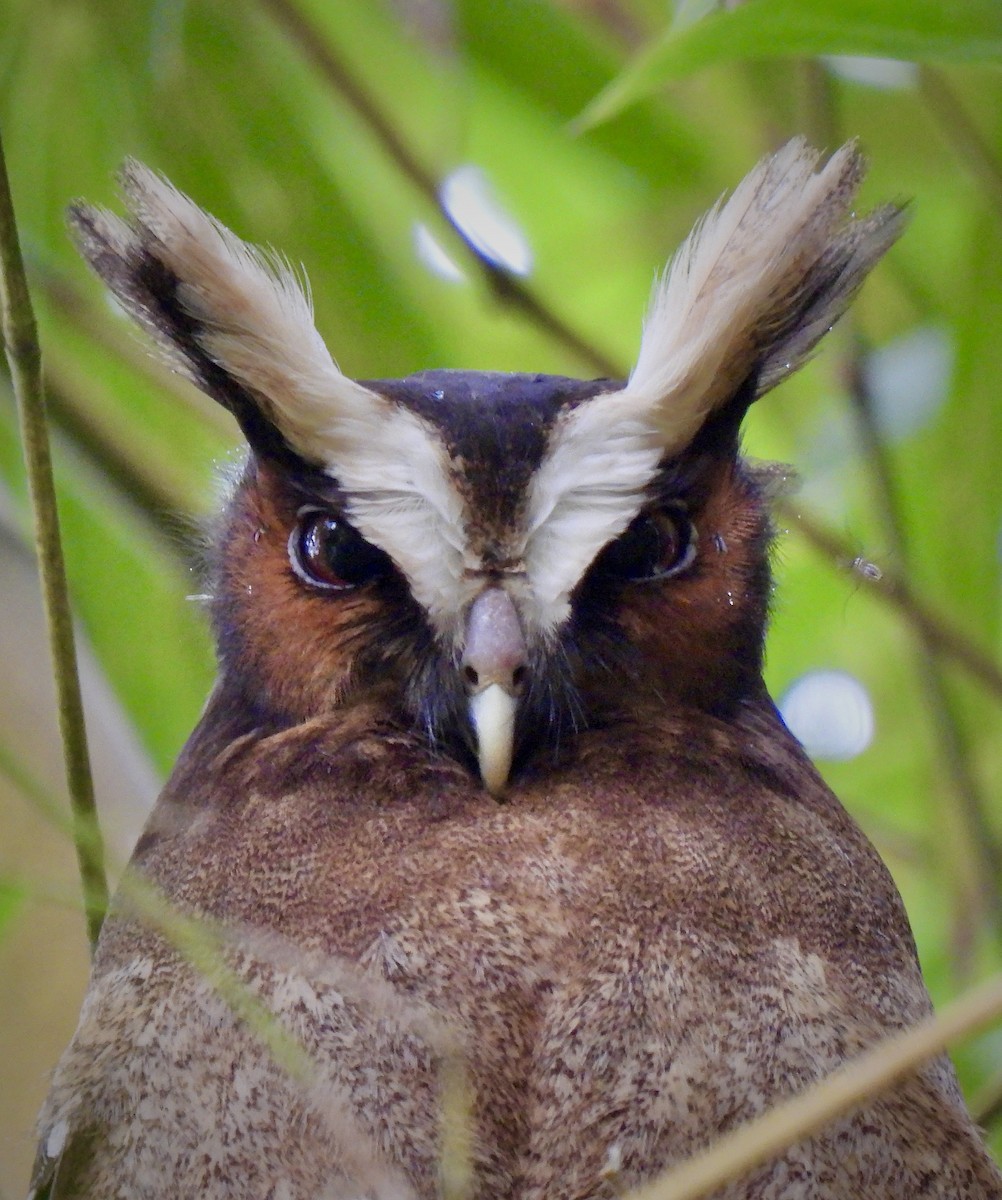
column 325, row 129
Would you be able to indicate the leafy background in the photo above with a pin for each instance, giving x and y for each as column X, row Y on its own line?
column 603, row 128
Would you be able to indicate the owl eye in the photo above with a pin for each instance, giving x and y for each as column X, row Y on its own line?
column 327, row 552
column 655, row 545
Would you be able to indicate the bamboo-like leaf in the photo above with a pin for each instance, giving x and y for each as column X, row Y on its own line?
column 923, row 30
column 23, row 354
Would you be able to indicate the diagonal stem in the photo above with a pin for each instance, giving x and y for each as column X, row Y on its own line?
column 962, row 134
column 503, row 285
column 856, row 1083
column 935, row 629
column 24, row 357
column 979, row 835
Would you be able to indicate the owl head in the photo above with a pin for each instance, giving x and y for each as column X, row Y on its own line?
column 492, row 563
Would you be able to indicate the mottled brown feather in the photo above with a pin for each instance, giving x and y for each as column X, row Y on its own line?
column 634, row 955
column 667, row 923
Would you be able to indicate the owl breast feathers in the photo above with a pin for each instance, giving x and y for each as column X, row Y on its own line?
column 490, row 800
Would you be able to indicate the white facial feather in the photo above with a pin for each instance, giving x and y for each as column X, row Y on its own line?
column 402, row 498
column 587, row 490
column 255, row 321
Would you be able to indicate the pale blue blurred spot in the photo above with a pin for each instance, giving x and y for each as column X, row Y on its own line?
column 909, row 380
column 830, row 713
column 888, row 74
column 470, row 201
column 430, row 252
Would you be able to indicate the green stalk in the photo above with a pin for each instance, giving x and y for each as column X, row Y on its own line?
column 24, row 357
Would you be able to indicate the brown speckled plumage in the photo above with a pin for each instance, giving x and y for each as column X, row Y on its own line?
column 661, row 925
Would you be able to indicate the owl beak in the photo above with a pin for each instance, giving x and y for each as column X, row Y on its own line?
column 494, row 666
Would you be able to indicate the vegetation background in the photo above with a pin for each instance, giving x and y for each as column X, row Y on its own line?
column 428, row 162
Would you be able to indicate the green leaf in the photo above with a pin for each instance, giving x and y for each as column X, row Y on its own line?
column 958, row 31
column 519, row 51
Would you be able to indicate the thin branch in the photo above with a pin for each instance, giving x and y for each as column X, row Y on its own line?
column 936, row 630
column 157, row 492
column 979, row 835
column 962, row 134
column 876, row 454
column 619, row 23
column 24, row 358
column 32, row 789
column 505, row 287
column 858, row 1082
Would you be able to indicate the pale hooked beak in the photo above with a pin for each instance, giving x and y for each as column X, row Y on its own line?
column 494, row 664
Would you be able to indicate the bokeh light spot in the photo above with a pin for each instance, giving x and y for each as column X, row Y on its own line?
column 830, row 713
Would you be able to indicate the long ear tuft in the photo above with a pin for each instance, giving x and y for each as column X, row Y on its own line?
column 756, row 285
column 231, row 317
column 237, row 322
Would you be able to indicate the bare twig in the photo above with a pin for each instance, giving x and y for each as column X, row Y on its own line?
column 818, row 104
column 123, row 342
column 619, row 22
column 506, row 288
column 156, row 490
column 980, row 840
column 24, row 357
column 893, row 587
column 858, row 1082
column 32, row 790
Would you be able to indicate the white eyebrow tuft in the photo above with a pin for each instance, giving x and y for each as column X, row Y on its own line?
column 755, row 286
column 749, row 294
column 246, row 312
column 588, row 488
column 401, row 495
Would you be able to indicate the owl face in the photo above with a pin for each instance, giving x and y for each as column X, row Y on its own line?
column 496, row 562
column 317, row 607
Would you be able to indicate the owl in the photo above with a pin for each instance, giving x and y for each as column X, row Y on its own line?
column 489, row 798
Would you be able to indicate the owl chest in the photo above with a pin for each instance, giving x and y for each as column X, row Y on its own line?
column 577, row 965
